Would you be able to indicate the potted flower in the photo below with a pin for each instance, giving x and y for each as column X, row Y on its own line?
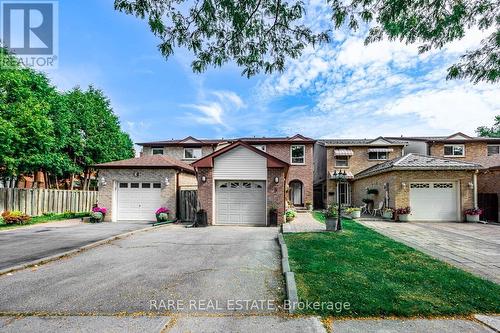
column 354, row 212
column 162, row 214
column 331, row 215
column 388, row 213
column 97, row 215
column 472, row 215
column 273, row 215
column 309, row 205
column 290, row 215
column 403, row 214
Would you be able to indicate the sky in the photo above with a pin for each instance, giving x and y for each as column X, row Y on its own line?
column 342, row 89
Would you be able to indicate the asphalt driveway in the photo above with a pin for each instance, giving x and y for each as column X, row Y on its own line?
column 470, row 246
column 23, row 245
column 169, row 269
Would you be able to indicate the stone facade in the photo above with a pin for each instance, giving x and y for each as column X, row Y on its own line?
column 303, row 173
column 400, row 197
column 474, row 151
column 113, row 176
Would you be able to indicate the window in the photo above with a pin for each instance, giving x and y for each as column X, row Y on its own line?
column 192, row 153
column 158, row 151
column 341, row 161
column 134, row 185
column 261, row 147
column 454, row 150
column 146, row 185
column 378, row 155
column 298, row 154
column 123, row 185
column 156, row 185
column 493, row 150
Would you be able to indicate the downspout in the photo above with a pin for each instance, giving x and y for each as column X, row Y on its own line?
column 474, row 180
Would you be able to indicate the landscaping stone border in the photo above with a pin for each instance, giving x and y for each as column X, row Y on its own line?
column 55, row 257
column 291, row 287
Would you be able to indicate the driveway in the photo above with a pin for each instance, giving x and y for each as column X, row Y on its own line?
column 23, row 245
column 169, row 269
column 470, row 246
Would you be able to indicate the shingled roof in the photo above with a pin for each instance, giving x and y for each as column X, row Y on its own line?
column 148, row 162
column 418, row 162
column 380, row 141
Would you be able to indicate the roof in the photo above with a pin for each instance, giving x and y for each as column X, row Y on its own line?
column 456, row 137
column 418, row 162
column 148, row 162
column 380, row 141
column 191, row 141
column 207, row 161
column 492, row 161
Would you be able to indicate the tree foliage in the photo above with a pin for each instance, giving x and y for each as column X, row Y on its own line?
column 42, row 129
column 492, row 132
column 259, row 35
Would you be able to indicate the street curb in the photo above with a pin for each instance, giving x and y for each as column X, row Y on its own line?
column 291, row 287
column 55, row 257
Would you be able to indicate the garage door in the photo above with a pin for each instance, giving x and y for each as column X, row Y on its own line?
column 241, row 202
column 138, row 200
column 434, row 201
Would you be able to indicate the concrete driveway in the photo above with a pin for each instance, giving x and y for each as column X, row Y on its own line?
column 470, row 246
column 23, row 245
column 169, row 269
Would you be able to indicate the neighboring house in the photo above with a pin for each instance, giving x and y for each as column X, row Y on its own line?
column 134, row 189
column 350, row 156
column 461, row 147
column 297, row 151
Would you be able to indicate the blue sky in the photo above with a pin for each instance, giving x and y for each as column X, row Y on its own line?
column 342, row 89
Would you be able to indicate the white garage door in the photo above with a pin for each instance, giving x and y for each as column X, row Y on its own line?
column 434, row 201
column 138, row 200
column 240, row 202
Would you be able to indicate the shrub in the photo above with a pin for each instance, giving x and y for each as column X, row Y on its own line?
column 15, row 217
column 162, row 217
column 290, row 214
column 352, row 209
column 403, row 211
column 96, row 217
column 473, row 211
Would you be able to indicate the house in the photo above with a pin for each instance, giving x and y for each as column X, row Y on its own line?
column 134, row 189
column 296, row 150
column 461, row 147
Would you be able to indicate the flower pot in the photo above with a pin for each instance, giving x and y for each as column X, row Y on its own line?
column 387, row 215
column 404, row 217
column 290, row 218
column 472, row 218
column 331, row 223
column 356, row 214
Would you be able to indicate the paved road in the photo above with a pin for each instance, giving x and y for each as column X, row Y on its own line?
column 470, row 246
column 20, row 246
column 199, row 270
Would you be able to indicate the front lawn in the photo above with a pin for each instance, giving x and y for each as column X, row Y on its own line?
column 43, row 219
column 381, row 277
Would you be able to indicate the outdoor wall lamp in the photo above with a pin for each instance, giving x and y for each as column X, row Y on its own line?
column 471, row 185
column 403, row 186
column 203, row 179
column 167, row 181
column 276, row 180
column 103, row 181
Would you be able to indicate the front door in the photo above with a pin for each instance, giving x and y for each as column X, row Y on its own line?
column 296, row 190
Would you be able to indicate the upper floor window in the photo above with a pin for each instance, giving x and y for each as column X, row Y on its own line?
column 298, row 154
column 192, row 153
column 158, row 151
column 493, row 150
column 454, row 150
column 378, row 155
column 261, row 147
column 341, row 161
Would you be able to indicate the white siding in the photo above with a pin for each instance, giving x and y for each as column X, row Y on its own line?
column 240, row 164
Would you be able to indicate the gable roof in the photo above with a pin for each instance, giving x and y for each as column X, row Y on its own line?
column 201, row 142
column 458, row 137
column 208, row 161
column 148, row 162
column 380, row 141
column 417, row 162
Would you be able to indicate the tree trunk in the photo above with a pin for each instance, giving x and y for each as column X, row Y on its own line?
column 72, row 181
column 57, row 183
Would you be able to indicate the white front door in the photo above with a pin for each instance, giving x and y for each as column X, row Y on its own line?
column 240, row 202
column 434, row 201
column 138, row 200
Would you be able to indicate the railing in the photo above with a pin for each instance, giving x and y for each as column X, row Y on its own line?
column 36, row 202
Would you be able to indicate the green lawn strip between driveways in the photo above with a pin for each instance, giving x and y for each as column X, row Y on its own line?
column 43, row 219
column 381, row 277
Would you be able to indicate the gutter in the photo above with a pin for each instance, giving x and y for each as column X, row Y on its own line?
column 474, row 177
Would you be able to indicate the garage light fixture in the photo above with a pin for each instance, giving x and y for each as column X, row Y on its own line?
column 167, row 181
column 103, row 181
column 276, row 180
column 403, row 186
column 203, row 179
column 471, row 185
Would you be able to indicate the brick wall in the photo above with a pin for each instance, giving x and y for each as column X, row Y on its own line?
column 303, row 173
column 186, row 179
column 489, row 182
column 474, row 151
column 205, row 192
column 276, row 192
column 168, row 193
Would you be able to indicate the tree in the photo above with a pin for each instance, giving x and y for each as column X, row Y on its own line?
column 261, row 34
column 493, row 132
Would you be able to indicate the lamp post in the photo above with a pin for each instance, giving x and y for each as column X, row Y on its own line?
column 340, row 177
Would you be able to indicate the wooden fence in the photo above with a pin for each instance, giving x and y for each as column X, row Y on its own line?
column 35, row 202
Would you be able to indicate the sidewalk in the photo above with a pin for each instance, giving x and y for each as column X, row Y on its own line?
column 304, row 222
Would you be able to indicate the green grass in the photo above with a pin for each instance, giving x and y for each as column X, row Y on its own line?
column 381, row 277
column 43, row 219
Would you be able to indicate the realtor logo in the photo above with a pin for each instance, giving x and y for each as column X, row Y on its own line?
column 29, row 31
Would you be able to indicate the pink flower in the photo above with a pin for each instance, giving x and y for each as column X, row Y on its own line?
column 102, row 210
column 162, row 210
